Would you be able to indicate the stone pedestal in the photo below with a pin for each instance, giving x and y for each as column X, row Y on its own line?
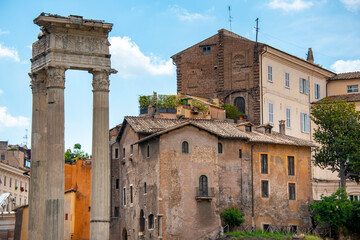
column 100, row 171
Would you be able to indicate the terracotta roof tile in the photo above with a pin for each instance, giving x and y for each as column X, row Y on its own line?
column 354, row 97
column 155, row 127
column 345, row 76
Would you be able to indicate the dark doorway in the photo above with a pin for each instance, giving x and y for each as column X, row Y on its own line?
column 124, row 234
column 142, row 221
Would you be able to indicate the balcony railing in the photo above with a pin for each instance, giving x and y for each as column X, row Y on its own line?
column 208, row 194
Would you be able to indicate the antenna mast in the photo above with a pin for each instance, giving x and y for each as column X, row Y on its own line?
column 25, row 137
column 257, row 29
column 230, row 18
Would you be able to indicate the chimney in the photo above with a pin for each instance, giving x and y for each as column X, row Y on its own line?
column 282, row 127
column 310, row 56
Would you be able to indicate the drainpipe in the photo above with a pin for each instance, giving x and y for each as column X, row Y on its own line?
column 252, row 186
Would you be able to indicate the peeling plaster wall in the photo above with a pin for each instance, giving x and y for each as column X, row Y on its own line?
column 179, row 177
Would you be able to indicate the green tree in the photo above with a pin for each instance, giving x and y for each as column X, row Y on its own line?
column 76, row 154
column 333, row 210
column 338, row 133
column 232, row 216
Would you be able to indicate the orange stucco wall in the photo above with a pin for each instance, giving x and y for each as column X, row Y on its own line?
column 78, row 177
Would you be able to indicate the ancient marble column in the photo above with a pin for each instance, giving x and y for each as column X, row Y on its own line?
column 38, row 156
column 54, row 188
column 100, row 170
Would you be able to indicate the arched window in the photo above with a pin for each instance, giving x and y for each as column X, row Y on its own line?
column 151, row 221
column 240, row 104
column 185, row 147
column 203, row 185
column 124, row 234
column 220, row 148
column 148, row 151
column 142, row 221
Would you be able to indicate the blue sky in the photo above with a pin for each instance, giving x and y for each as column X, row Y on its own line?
column 144, row 37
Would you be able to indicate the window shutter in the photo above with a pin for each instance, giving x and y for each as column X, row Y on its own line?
column 301, row 85
column 307, row 86
column 302, row 121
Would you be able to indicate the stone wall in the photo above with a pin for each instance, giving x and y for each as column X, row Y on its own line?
column 230, row 70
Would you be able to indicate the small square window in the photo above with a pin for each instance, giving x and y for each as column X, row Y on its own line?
column 206, row 50
column 352, row 88
column 248, row 128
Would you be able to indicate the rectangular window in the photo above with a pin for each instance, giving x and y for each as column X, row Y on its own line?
column 117, row 183
column 350, row 89
column 317, row 91
column 206, row 50
column 2, row 157
column 10, row 182
column 292, row 195
column 131, row 194
column 124, row 196
column 304, row 85
column 265, row 189
column 271, row 113
column 123, row 153
column 116, row 153
column 305, row 122
column 116, row 212
column 145, row 190
column 240, row 153
column 4, row 180
column 264, row 163
column 287, row 80
column 160, row 226
column 270, row 76
column 288, row 117
column 291, row 166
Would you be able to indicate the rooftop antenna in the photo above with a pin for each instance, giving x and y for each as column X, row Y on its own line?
column 25, row 138
column 230, row 18
column 257, row 29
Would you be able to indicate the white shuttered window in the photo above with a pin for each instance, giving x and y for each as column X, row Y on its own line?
column 271, row 113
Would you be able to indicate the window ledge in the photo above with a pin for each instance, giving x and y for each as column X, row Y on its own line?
column 203, row 198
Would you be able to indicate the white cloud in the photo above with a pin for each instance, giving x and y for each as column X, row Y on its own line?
column 3, row 32
column 6, row 120
column 342, row 66
column 351, row 5
column 290, row 5
column 1, row 91
column 184, row 15
column 127, row 58
column 11, row 53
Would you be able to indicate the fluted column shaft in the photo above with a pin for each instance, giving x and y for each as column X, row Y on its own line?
column 100, row 170
column 54, row 203
column 38, row 157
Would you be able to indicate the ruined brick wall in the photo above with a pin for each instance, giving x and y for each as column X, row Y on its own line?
column 179, row 178
column 231, row 70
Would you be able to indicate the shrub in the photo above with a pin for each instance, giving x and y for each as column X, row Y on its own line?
column 232, row 111
column 232, row 216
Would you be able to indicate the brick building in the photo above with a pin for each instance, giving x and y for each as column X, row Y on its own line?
column 265, row 83
column 172, row 175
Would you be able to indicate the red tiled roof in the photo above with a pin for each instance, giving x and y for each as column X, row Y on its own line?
column 345, row 76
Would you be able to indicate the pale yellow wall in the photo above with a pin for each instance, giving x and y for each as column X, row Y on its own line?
column 339, row 87
column 16, row 175
column 282, row 97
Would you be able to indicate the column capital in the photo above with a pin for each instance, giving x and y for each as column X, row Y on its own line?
column 55, row 77
column 100, row 81
column 38, row 81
